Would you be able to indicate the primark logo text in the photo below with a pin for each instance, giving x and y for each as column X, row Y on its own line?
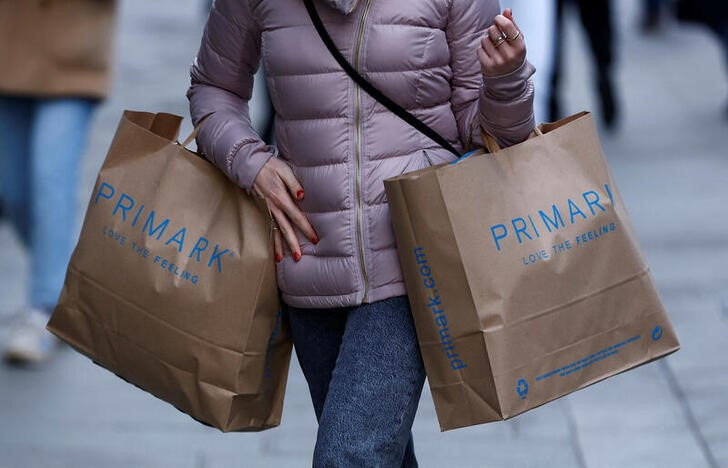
column 527, row 227
column 150, row 223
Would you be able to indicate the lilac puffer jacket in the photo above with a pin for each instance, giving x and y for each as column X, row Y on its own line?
column 340, row 142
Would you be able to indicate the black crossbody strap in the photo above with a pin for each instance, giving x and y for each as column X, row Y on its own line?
column 369, row 88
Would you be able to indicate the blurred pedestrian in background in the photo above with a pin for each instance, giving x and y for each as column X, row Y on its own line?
column 651, row 15
column 537, row 20
column 711, row 13
column 55, row 57
column 596, row 19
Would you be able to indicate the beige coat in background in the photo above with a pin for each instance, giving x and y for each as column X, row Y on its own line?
column 56, row 47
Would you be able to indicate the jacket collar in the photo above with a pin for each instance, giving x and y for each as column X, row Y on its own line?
column 344, row 6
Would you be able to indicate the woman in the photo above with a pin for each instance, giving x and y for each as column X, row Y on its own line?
column 55, row 58
column 596, row 19
column 456, row 64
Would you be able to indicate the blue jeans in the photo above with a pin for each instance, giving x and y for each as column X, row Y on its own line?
column 365, row 374
column 41, row 143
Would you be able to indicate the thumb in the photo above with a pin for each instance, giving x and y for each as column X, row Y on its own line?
column 508, row 13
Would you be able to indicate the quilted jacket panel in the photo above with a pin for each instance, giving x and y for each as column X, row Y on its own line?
column 340, row 142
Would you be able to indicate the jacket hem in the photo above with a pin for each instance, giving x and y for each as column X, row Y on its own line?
column 345, row 300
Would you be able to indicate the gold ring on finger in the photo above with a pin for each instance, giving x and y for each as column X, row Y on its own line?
column 514, row 38
column 498, row 42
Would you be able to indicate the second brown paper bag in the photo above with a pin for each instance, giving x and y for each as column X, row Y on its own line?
column 525, row 276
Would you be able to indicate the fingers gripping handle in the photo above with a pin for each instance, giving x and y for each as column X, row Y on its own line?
column 491, row 144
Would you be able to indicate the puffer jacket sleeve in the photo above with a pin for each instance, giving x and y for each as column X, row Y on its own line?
column 502, row 105
column 222, row 84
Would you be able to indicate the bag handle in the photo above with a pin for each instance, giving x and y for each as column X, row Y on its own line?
column 192, row 136
column 371, row 89
column 194, row 133
column 490, row 143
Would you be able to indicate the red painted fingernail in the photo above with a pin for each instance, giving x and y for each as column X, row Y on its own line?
column 300, row 194
column 279, row 258
column 297, row 257
column 315, row 240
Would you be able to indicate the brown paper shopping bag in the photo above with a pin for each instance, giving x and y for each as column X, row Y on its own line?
column 524, row 275
column 172, row 286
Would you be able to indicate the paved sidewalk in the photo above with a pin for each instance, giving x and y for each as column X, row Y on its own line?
column 671, row 163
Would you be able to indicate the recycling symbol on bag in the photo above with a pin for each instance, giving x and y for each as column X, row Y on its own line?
column 657, row 333
column 522, row 388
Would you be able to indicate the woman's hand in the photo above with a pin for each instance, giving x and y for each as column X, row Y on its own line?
column 503, row 48
column 277, row 184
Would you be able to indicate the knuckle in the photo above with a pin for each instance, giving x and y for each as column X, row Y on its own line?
column 290, row 208
column 267, row 169
column 286, row 172
column 299, row 220
column 276, row 198
column 274, row 164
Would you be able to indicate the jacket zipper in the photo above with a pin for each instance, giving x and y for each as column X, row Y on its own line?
column 359, row 213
